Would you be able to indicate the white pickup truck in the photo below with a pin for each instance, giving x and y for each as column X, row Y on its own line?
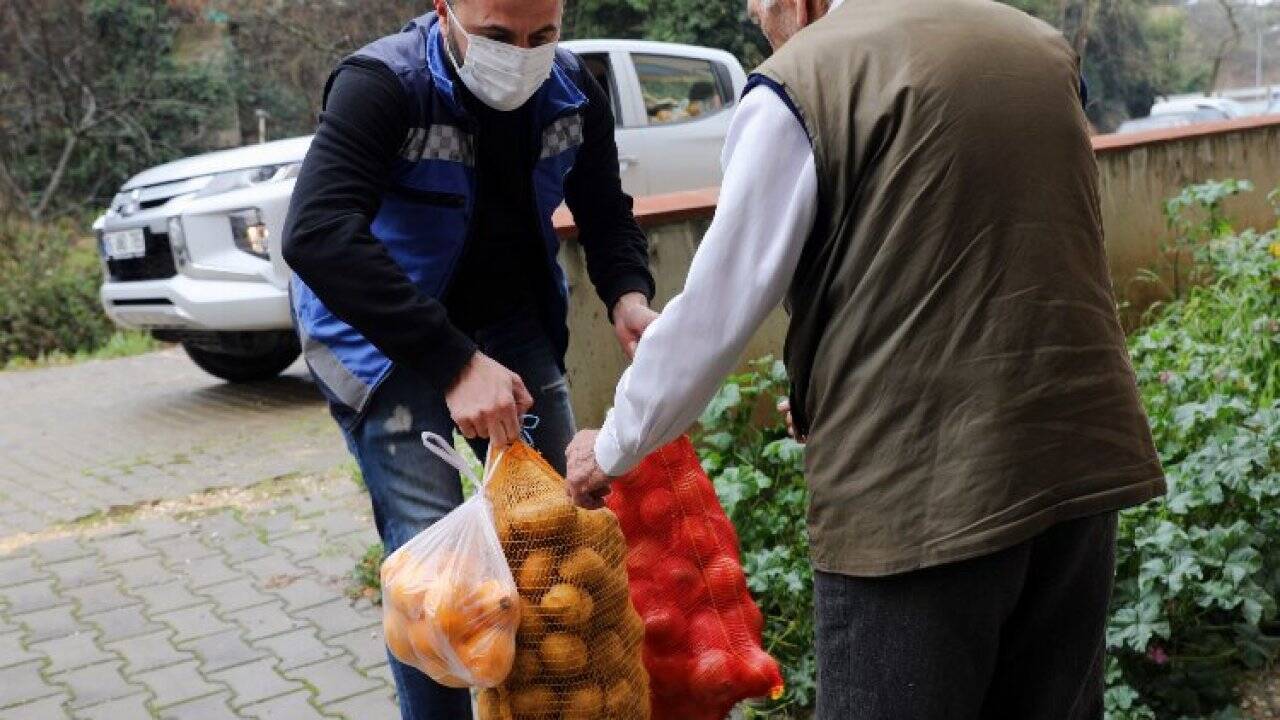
column 191, row 249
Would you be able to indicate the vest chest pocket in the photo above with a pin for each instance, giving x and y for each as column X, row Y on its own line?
column 429, row 197
column 423, row 230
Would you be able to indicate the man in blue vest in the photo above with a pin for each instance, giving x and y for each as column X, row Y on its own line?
column 426, row 289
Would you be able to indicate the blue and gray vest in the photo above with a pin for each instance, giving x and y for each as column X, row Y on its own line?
column 426, row 214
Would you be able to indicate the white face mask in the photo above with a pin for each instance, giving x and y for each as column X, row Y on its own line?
column 502, row 76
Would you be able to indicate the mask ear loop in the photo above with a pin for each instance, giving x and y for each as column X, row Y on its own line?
column 448, row 43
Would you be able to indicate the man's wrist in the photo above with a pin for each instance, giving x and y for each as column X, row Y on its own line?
column 461, row 370
column 629, row 299
column 443, row 364
column 635, row 283
column 609, row 455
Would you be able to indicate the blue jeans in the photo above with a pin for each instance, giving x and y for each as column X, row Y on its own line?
column 411, row 489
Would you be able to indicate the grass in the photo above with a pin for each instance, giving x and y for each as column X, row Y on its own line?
column 124, row 343
column 367, row 575
column 352, row 469
column 477, row 468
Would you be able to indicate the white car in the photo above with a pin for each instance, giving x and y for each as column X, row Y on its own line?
column 1221, row 108
column 1170, row 120
column 191, row 248
column 1184, row 111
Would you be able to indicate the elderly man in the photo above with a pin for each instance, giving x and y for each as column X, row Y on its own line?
column 916, row 177
column 427, row 291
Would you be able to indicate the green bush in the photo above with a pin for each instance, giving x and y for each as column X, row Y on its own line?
column 49, row 279
column 1199, row 571
column 99, row 92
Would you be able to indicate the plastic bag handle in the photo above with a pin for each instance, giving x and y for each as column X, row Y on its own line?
column 491, row 463
column 442, row 449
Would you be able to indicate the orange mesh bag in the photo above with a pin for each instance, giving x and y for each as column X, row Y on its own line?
column 450, row 606
column 579, row 639
column 703, row 646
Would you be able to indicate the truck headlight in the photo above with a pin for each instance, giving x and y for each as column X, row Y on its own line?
column 178, row 243
column 252, row 177
column 249, row 231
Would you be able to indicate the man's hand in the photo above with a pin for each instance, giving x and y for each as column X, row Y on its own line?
column 587, row 483
column 631, row 316
column 784, row 407
column 487, row 400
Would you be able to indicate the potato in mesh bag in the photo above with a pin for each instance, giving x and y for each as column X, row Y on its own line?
column 578, row 644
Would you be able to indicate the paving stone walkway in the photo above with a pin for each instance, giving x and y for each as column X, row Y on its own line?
column 231, row 607
column 79, row 439
column 175, row 548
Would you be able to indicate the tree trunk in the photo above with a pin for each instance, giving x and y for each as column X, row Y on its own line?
column 1225, row 47
column 68, row 147
column 73, row 138
column 1081, row 43
column 14, row 196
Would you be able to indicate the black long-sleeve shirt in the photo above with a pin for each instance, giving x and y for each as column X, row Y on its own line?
column 503, row 267
column 329, row 245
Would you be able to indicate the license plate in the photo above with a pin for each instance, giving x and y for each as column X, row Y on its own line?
column 123, row 244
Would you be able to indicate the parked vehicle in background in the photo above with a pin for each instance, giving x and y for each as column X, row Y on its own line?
column 670, row 104
column 1225, row 108
column 1170, row 120
column 1264, row 100
column 1240, row 102
column 1178, row 112
column 191, row 249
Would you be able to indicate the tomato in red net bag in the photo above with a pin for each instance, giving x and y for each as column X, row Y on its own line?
column 702, row 646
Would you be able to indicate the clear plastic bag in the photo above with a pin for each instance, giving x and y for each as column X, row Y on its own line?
column 450, row 604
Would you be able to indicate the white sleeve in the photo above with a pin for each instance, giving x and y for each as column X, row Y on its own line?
column 740, row 273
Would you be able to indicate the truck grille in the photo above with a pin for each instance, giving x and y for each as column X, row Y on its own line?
column 157, row 264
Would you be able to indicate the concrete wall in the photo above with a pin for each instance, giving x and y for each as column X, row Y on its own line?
column 1137, row 173
column 595, row 358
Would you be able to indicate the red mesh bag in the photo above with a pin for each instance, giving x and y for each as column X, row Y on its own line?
column 702, row 644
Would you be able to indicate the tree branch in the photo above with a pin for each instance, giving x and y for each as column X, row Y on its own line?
column 55, row 180
column 68, row 147
column 315, row 40
column 1082, row 33
column 13, row 190
column 1226, row 46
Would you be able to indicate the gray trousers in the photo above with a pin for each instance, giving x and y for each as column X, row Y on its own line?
column 1017, row 634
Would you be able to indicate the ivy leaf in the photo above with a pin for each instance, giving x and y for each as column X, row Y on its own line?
column 1240, row 564
column 1252, row 610
column 720, row 441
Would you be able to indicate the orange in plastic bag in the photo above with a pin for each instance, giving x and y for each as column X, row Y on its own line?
column 450, row 605
column 578, row 647
column 703, row 647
